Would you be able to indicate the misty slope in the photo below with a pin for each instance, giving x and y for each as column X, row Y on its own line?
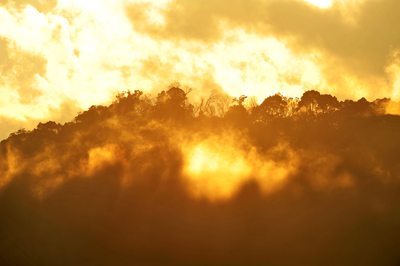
column 161, row 181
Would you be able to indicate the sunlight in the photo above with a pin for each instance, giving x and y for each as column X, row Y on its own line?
column 100, row 156
column 217, row 167
column 216, row 172
column 321, row 3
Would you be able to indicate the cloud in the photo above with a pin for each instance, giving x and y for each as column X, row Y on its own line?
column 354, row 41
column 194, row 20
column 21, row 70
column 61, row 114
column 88, row 52
column 10, row 124
column 40, row 5
column 363, row 49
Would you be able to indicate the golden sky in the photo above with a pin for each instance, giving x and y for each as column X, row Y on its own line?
column 59, row 57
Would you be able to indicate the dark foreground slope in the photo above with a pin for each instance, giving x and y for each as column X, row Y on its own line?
column 113, row 186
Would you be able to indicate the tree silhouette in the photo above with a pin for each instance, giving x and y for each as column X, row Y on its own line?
column 271, row 108
column 173, row 104
column 309, row 101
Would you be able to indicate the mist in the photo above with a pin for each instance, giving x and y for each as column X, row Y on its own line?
column 164, row 180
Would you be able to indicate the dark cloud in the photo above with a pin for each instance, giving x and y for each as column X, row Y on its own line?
column 4, row 57
column 40, row 5
column 196, row 20
column 9, row 124
column 21, row 68
column 364, row 47
column 355, row 40
column 64, row 113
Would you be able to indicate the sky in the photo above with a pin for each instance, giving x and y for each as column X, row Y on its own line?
column 61, row 57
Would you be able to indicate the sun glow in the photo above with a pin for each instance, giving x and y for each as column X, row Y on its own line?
column 321, row 3
column 215, row 173
column 216, row 168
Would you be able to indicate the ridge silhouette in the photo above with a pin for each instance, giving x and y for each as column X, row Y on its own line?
column 318, row 183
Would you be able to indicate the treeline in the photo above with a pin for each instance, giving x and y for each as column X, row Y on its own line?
column 173, row 105
column 316, row 116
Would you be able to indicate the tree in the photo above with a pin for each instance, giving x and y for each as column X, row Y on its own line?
column 309, row 101
column 127, row 102
column 173, row 104
column 315, row 103
column 273, row 107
